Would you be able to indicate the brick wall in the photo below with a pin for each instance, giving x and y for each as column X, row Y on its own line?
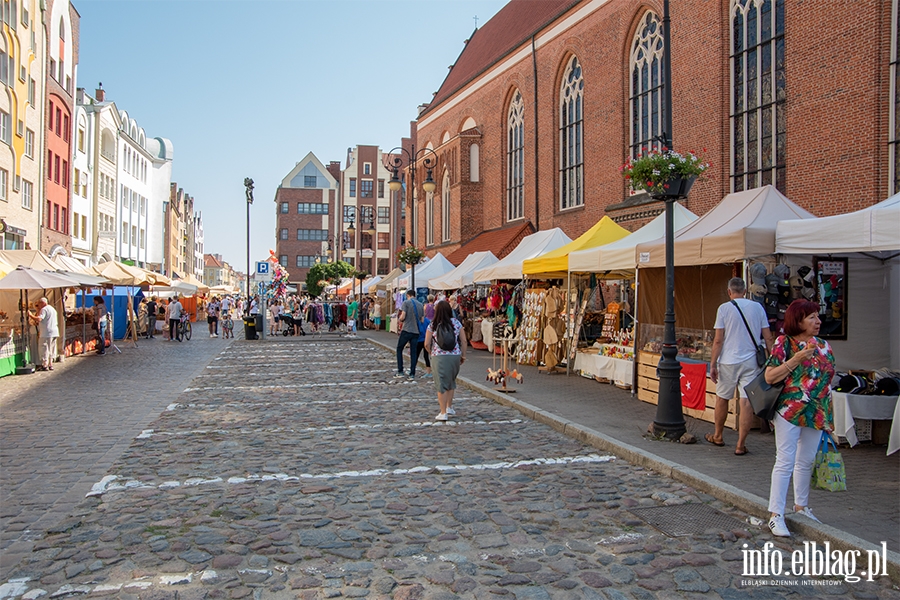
column 837, row 67
column 292, row 221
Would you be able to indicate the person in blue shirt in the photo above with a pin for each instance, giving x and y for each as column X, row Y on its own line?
column 421, row 346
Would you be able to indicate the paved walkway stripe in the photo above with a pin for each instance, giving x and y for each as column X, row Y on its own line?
column 294, row 385
column 233, row 405
column 296, row 372
column 148, row 433
column 107, row 484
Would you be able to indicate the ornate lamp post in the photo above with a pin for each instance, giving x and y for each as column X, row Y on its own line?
column 669, row 419
column 393, row 162
column 248, row 188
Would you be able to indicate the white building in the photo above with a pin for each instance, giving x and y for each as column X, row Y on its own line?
column 82, row 203
column 199, row 263
column 161, row 152
column 133, row 207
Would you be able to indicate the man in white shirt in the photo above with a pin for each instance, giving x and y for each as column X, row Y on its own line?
column 175, row 310
column 733, row 363
column 48, row 333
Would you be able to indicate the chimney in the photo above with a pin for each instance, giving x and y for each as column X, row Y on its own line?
column 99, row 93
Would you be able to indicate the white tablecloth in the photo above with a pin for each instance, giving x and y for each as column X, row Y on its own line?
column 848, row 407
column 614, row 369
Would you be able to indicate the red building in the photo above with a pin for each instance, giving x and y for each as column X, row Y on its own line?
column 307, row 221
column 548, row 98
column 61, row 27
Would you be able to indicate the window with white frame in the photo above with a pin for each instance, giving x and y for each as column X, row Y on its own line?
column 571, row 137
column 29, row 143
column 367, row 168
column 445, row 208
column 758, row 132
column 284, row 233
column 646, row 92
column 124, row 232
column 142, row 239
column 895, row 102
column 76, row 223
column 27, row 194
column 5, row 127
column 134, row 235
column 515, row 158
column 4, row 185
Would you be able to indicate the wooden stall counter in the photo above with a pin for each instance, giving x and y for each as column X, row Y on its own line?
column 648, row 391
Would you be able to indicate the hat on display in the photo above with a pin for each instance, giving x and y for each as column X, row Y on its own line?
column 758, row 273
column 772, row 283
column 796, row 287
column 783, row 271
column 771, row 304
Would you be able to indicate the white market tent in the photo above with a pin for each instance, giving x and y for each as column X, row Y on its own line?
column 461, row 276
column 870, row 241
column 368, row 283
column 620, row 258
column 435, row 267
column 741, row 226
column 510, row 267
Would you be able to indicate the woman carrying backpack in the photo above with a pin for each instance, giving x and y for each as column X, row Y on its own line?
column 445, row 340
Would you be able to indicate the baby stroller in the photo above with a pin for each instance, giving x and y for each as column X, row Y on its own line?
column 290, row 321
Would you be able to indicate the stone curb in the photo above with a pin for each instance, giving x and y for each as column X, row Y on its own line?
column 745, row 501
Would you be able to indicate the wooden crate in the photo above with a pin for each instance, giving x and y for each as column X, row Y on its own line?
column 648, row 391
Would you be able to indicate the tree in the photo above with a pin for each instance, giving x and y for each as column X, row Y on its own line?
column 323, row 274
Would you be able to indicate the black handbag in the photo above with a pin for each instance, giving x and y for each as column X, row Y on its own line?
column 761, row 354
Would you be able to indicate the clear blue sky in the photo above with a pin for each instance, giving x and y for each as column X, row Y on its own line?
column 247, row 88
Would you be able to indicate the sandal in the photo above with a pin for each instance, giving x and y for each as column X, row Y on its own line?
column 741, row 451
column 709, row 438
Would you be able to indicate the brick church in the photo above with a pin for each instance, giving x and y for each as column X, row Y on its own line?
column 549, row 97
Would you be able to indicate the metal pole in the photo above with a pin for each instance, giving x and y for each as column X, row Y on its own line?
column 248, row 189
column 669, row 415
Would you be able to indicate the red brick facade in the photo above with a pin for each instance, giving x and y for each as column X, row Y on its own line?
column 292, row 221
column 837, row 105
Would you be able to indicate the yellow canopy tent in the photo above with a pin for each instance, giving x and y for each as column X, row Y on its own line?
column 555, row 264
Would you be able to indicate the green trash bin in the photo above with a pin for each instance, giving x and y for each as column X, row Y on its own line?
column 387, row 323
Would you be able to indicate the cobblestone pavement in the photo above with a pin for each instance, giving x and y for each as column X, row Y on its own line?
column 302, row 469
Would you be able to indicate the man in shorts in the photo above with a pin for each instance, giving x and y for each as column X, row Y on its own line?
column 212, row 317
column 733, row 363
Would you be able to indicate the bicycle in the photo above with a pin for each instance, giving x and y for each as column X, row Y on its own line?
column 184, row 327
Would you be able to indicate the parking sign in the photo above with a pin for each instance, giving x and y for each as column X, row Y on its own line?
column 262, row 268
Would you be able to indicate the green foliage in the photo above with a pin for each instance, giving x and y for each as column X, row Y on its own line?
column 652, row 170
column 410, row 255
column 324, row 274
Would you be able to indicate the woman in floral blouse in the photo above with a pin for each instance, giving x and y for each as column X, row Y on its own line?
column 806, row 366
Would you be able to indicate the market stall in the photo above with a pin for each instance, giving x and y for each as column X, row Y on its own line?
column 721, row 244
column 434, row 267
column 462, row 275
column 613, row 261
column 854, row 274
column 385, row 297
column 509, row 268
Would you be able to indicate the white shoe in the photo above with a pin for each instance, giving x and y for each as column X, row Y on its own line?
column 778, row 527
column 807, row 512
column 450, row 411
column 400, row 374
column 441, row 417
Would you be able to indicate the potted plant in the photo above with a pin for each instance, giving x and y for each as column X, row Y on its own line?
column 664, row 174
column 410, row 255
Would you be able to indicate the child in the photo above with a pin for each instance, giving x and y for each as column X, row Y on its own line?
column 228, row 325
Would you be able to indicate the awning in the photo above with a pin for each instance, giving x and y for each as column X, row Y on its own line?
column 741, row 226
column 436, row 266
column 619, row 259
column 461, row 276
column 499, row 242
column 554, row 264
column 531, row 246
column 388, row 280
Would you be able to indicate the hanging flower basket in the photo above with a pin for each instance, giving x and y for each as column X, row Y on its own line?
column 410, row 255
column 664, row 175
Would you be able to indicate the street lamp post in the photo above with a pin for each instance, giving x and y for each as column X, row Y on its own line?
column 393, row 162
column 669, row 419
column 248, row 188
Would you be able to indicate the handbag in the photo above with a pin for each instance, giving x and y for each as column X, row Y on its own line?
column 763, row 396
column 828, row 468
column 422, row 326
column 761, row 354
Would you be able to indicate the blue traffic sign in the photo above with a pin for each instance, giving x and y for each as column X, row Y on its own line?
column 262, row 268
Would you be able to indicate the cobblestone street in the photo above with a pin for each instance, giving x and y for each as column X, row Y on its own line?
column 302, row 468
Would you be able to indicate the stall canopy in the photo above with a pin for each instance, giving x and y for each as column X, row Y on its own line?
column 5, row 268
column 67, row 263
column 461, row 276
column 201, row 287
column 369, row 283
column 387, row 282
column 872, row 229
column 619, row 259
column 436, row 266
column 555, row 263
column 499, row 242
column 741, row 226
column 32, row 259
column 122, row 274
column 220, row 290
column 533, row 245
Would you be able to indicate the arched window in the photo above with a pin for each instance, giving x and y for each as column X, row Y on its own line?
column 571, row 137
column 515, row 156
column 647, row 86
column 445, row 207
column 757, row 94
column 895, row 102
column 474, row 160
column 62, row 29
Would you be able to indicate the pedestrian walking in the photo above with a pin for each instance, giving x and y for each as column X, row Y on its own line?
column 227, row 325
column 364, row 312
column 411, row 314
column 429, row 307
column 420, row 346
column 376, row 314
column 100, row 323
column 445, row 363
column 152, row 311
column 173, row 315
column 803, row 411
column 212, row 317
column 142, row 318
column 352, row 316
column 740, row 326
column 47, row 323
